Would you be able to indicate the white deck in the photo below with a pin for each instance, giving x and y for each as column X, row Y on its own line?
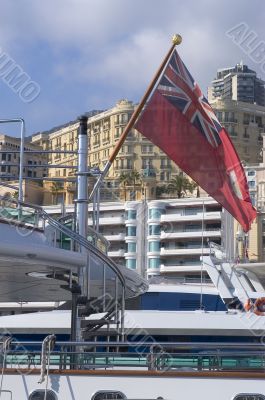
column 146, row 322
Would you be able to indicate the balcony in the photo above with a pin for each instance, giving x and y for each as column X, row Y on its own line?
column 116, row 253
column 183, row 251
column 153, row 253
column 208, row 216
column 131, row 221
column 180, row 268
column 115, row 237
column 229, row 120
column 190, row 234
column 109, row 221
column 130, row 254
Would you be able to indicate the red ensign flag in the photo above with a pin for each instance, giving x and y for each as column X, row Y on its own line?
column 179, row 120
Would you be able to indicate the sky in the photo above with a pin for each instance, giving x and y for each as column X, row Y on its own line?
column 80, row 55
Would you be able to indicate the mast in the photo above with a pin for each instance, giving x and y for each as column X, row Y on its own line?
column 82, row 182
column 81, row 218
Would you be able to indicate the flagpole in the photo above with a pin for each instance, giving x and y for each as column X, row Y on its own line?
column 176, row 40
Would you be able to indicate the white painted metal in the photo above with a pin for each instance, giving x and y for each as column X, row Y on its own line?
column 189, row 323
column 71, row 387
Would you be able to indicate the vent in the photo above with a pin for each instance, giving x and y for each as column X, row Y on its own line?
column 249, row 396
column 40, row 395
column 108, row 395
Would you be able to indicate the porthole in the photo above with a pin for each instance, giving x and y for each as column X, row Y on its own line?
column 40, row 395
column 249, row 396
column 108, row 395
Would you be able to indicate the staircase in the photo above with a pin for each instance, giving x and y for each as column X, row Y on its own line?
column 99, row 272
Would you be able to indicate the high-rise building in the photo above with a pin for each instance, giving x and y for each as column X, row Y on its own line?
column 238, row 83
column 159, row 237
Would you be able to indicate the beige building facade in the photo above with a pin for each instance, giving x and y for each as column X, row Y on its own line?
column 255, row 238
column 10, row 159
column 34, row 169
column 150, row 166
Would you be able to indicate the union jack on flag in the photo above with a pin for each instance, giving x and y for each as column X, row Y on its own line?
column 179, row 120
column 179, row 88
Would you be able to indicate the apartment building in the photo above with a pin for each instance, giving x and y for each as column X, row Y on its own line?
column 160, row 237
column 255, row 238
column 10, row 159
column 104, row 130
column 238, row 83
column 245, row 124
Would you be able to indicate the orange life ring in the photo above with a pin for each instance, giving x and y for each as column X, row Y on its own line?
column 259, row 306
column 248, row 305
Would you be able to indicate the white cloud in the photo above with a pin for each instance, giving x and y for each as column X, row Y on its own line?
column 108, row 49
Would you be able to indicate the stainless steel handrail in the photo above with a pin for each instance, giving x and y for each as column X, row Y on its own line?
column 159, row 356
column 73, row 235
column 89, row 229
column 165, row 345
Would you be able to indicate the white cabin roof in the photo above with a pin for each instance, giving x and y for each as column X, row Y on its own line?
column 144, row 322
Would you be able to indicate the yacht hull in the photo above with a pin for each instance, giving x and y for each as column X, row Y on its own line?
column 80, row 385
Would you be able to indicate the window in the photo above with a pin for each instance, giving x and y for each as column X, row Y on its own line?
column 154, row 229
column 131, row 214
column 251, row 184
column 154, row 263
column 130, row 263
column 108, row 395
column 131, row 231
column 154, row 246
column 124, row 118
column 193, row 211
column 147, row 148
column 249, row 396
column 129, row 163
column 251, row 173
column 155, row 213
column 165, row 162
column 147, row 163
column 131, row 247
column 40, row 395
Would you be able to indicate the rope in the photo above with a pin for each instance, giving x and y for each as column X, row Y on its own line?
column 47, row 346
column 51, row 345
column 5, row 347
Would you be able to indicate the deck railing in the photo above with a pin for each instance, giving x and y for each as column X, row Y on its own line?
column 139, row 355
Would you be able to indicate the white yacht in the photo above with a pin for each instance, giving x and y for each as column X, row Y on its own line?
column 151, row 349
column 139, row 351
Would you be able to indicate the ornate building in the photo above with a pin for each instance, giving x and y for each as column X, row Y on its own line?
column 138, row 170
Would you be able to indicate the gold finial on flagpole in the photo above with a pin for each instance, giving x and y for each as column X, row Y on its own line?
column 176, row 39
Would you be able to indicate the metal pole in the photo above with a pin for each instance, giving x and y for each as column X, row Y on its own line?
column 21, row 161
column 227, row 233
column 82, row 182
column 82, row 213
column 202, row 253
column 98, row 208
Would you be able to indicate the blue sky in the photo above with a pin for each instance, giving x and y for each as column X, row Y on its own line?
column 88, row 54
